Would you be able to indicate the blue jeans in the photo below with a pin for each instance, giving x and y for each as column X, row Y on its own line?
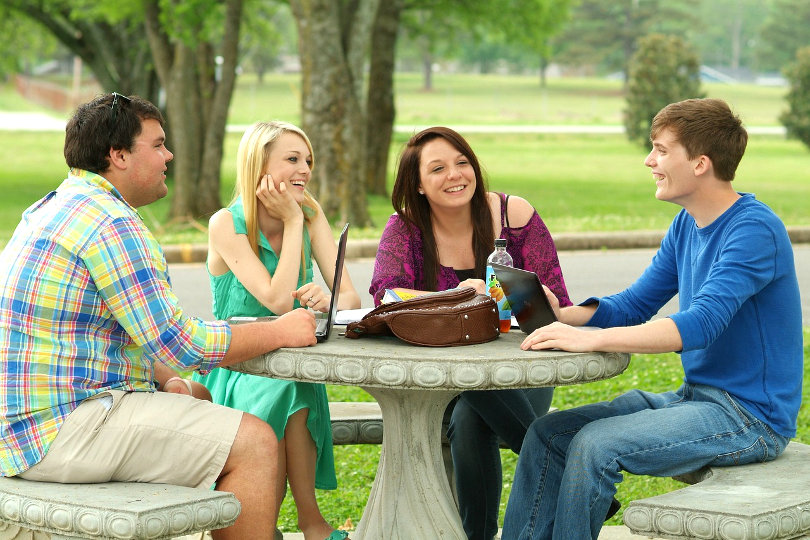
column 478, row 420
column 572, row 460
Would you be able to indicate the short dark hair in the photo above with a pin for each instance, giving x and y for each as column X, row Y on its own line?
column 96, row 127
column 705, row 127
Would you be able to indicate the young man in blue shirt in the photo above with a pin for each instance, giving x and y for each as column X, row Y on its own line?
column 738, row 330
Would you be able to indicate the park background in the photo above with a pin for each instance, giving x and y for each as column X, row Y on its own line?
column 556, row 140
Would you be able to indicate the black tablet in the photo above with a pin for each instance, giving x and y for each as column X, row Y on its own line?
column 523, row 289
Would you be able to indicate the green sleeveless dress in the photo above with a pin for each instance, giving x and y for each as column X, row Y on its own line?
column 272, row 400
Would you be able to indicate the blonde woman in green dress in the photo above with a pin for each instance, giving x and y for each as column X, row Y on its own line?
column 260, row 254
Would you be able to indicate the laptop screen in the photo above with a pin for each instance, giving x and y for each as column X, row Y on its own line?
column 530, row 306
column 341, row 256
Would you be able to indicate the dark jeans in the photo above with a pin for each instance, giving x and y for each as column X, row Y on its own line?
column 479, row 419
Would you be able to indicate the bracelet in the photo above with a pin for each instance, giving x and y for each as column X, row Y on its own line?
column 186, row 381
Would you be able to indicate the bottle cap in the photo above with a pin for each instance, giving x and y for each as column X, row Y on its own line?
column 500, row 242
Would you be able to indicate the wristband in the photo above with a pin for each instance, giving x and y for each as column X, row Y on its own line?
column 186, row 381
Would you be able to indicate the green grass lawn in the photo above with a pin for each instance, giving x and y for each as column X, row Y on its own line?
column 577, row 182
column 496, row 99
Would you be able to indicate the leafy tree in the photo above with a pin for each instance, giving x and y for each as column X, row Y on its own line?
column 25, row 43
column 663, row 70
column 194, row 47
column 264, row 32
column 797, row 118
column 731, row 37
column 110, row 44
column 530, row 24
column 483, row 31
column 604, row 33
column 431, row 40
column 189, row 49
column 783, row 33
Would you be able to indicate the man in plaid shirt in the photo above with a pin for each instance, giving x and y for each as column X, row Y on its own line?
column 90, row 329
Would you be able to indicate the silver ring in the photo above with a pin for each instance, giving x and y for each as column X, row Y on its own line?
column 309, row 300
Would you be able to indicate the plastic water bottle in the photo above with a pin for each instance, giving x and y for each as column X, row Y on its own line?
column 494, row 290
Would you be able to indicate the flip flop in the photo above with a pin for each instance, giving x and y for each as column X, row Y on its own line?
column 338, row 535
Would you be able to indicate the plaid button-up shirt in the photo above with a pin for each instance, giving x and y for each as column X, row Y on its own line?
column 85, row 306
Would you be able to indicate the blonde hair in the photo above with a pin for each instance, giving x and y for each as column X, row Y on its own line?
column 251, row 162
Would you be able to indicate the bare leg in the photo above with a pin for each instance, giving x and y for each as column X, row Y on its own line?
column 251, row 473
column 301, row 457
column 281, row 485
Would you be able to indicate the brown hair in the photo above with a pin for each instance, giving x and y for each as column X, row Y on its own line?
column 414, row 208
column 705, row 127
column 97, row 126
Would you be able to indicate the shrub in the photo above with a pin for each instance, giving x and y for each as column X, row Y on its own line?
column 663, row 70
column 797, row 118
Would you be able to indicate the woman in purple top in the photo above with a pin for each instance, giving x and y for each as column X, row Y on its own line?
column 444, row 228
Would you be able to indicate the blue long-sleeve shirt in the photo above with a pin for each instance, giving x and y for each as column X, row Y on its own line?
column 740, row 316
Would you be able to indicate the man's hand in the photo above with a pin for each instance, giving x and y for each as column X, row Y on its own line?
column 558, row 335
column 295, row 328
column 657, row 336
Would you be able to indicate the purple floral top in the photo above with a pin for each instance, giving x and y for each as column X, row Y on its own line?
column 400, row 259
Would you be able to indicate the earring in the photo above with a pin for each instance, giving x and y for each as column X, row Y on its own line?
column 421, row 191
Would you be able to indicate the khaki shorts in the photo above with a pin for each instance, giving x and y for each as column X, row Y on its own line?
column 141, row 437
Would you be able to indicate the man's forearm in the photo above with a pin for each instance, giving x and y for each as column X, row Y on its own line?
column 577, row 315
column 657, row 336
column 250, row 340
column 293, row 329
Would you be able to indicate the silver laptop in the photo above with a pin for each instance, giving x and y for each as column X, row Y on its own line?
column 530, row 305
column 324, row 325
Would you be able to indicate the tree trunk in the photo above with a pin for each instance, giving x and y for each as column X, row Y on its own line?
column 543, row 68
column 380, row 107
column 197, row 105
column 223, row 88
column 427, row 71
column 332, row 47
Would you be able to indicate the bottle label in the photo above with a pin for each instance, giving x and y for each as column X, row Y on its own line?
column 495, row 292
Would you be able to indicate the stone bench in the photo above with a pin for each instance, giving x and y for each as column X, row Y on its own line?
column 129, row 510
column 747, row 502
column 120, row 510
column 355, row 422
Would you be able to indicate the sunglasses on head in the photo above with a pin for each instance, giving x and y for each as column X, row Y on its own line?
column 114, row 106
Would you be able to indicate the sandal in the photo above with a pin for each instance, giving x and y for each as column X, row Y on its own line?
column 338, row 535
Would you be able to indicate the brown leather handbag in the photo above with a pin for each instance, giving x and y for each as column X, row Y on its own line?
column 441, row 319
